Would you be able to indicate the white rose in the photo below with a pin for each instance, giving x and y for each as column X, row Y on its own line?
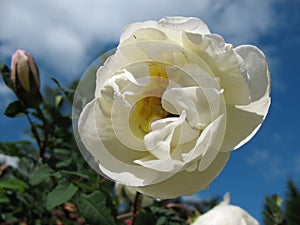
column 225, row 214
column 170, row 104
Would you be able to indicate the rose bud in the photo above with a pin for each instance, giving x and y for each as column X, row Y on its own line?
column 25, row 78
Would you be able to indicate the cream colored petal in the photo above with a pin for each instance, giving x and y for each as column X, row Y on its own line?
column 202, row 105
column 115, row 160
column 208, row 144
column 148, row 33
column 165, row 165
column 257, row 69
column 241, row 126
column 188, row 24
column 204, row 151
column 165, row 52
column 187, row 183
column 243, row 121
column 170, row 27
column 174, row 26
column 129, row 30
column 224, row 63
column 191, row 75
column 158, row 141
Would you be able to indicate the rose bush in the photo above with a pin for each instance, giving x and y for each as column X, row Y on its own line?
column 170, row 104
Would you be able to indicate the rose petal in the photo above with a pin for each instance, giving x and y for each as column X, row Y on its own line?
column 187, row 183
column 158, row 141
column 208, row 144
column 163, row 139
column 202, row 105
column 114, row 159
column 241, row 126
column 191, row 75
column 188, row 24
column 168, row 26
column 244, row 121
column 257, row 68
column 224, row 64
column 129, row 30
column 205, row 149
column 145, row 34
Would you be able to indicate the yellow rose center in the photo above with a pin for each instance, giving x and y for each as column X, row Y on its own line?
column 149, row 108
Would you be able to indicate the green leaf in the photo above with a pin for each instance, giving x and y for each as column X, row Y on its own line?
column 64, row 163
column 13, row 184
column 18, row 149
column 161, row 221
column 60, row 194
column 273, row 214
column 145, row 218
column 15, row 109
column 3, row 198
column 93, row 208
column 61, row 153
column 5, row 71
column 75, row 173
column 58, row 100
column 41, row 174
column 69, row 93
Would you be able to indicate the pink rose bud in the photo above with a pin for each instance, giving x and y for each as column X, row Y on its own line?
column 26, row 79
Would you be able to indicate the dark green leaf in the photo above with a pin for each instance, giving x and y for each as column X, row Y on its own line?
column 273, row 214
column 21, row 149
column 145, row 218
column 161, row 221
column 64, row 163
column 3, row 198
column 60, row 194
column 13, row 184
column 15, row 109
column 93, row 208
column 74, row 173
column 41, row 174
column 61, row 153
column 5, row 71
column 84, row 186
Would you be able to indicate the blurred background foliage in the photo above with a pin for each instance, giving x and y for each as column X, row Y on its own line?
column 52, row 183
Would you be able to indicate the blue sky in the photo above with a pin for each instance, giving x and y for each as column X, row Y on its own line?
column 66, row 36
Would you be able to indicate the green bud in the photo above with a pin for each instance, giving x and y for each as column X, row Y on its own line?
column 26, row 79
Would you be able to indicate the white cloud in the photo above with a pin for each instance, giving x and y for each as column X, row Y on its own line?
column 60, row 34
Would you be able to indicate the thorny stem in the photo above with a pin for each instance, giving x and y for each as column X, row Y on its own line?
column 136, row 206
